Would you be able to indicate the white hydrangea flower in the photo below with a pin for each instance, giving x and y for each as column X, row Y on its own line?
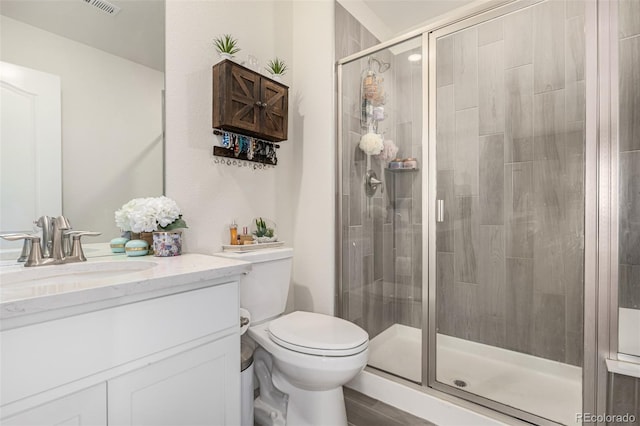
column 167, row 210
column 147, row 214
column 371, row 143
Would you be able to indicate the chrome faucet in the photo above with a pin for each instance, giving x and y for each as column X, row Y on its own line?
column 60, row 232
column 46, row 223
column 60, row 224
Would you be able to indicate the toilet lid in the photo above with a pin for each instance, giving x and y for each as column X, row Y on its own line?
column 318, row 334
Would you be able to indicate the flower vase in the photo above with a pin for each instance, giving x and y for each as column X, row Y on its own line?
column 167, row 243
column 145, row 236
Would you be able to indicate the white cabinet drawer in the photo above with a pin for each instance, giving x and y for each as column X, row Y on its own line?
column 85, row 408
column 42, row 356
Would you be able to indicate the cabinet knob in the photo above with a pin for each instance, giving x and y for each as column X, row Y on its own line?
column 261, row 104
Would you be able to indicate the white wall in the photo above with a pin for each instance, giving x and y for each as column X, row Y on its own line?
column 315, row 172
column 210, row 195
column 111, row 123
column 298, row 193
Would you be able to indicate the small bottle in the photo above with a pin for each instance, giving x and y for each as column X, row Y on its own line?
column 233, row 231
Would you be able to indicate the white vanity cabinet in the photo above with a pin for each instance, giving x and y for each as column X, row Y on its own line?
column 172, row 359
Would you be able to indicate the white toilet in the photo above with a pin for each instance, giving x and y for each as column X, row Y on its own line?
column 310, row 356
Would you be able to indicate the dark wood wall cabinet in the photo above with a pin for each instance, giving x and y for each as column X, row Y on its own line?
column 249, row 103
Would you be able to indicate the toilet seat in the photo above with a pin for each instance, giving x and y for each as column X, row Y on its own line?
column 318, row 334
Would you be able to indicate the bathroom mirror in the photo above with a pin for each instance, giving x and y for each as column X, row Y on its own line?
column 109, row 57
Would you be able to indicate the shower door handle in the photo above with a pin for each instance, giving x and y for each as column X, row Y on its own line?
column 439, row 211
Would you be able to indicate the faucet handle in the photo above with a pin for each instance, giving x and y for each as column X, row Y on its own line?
column 31, row 244
column 19, row 236
column 77, row 254
column 78, row 234
column 26, row 247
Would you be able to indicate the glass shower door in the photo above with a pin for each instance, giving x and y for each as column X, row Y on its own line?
column 508, row 127
column 381, row 212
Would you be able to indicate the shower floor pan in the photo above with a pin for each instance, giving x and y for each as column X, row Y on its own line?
column 546, row 388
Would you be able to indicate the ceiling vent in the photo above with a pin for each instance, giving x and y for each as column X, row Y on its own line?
column 104, row 6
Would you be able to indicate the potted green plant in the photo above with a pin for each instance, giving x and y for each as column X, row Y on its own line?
column 277, row 68
column 264, row 233
column 227, row 46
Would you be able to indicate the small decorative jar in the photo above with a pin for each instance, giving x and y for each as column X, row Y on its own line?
column 136, row 248
column 117, row 244
column 145, row 236
column 396, row 164
column 410, row 163
column 167, row 243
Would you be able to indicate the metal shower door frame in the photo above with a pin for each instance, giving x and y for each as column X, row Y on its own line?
column 599, row 274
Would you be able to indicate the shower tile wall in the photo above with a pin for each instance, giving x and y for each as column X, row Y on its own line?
column 624, row 391
column 382, row 277
column 510, row 159
column 351, row 35
column 623, row 399
column 629, row 140
column 405, row 198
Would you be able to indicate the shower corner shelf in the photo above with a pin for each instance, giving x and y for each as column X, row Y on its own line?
column 401, row 170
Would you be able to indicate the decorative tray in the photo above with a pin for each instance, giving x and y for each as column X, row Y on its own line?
column 252, row 247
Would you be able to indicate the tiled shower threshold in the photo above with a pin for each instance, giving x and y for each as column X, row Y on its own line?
column 546, row 388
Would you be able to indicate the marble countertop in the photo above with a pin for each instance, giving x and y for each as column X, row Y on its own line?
column 26, row 302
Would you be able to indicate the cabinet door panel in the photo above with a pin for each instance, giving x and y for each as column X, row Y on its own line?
column 197, row 387
column 85, row 408
column 276, row 110
column 243, row 111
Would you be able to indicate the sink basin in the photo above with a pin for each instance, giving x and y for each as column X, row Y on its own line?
column 71, row 273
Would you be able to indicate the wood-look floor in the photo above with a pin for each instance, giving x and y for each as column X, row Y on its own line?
column 365, row 411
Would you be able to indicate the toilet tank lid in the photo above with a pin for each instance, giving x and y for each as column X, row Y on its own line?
column 257, row 256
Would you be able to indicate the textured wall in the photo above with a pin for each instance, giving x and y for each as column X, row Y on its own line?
column 298, row 193
column 510, row 158
column 210, row 195
column 312, row 183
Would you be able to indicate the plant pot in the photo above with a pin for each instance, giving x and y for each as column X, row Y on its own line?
column 225, row 55
column 276, row 77
column 167, row 243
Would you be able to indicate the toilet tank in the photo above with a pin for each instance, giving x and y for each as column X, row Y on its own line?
column 264, row 290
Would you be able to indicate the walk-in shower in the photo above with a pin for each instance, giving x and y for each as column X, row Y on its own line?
column 467, row 267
